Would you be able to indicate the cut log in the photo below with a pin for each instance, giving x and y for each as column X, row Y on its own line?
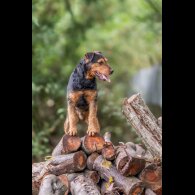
column 92, row 144
column 128, row 185
column 67, row 144
column 159, row 122
column 148, row 191
column 127, row 162
column 36, row 170
column 145, row 124
column 108, row 152
column 140, row 150
column 64, row 179
column 52, row 185
column 93, row 175
column 108, row 188
column 82, row 185
column 151, row 175
column 67, row 163
column 90, row 160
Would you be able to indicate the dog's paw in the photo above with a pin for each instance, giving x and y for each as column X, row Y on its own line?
column 91, row 132
column 72, row 132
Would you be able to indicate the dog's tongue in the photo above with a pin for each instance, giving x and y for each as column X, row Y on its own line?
column 106, row 78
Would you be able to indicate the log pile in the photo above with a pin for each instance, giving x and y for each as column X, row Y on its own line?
column 93, row 165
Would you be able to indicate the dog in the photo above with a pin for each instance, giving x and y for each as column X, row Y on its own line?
column 82, row 92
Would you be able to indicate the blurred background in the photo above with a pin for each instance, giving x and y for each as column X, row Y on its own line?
column 127, row 32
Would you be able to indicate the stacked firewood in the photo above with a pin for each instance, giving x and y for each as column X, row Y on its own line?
column 93, row 165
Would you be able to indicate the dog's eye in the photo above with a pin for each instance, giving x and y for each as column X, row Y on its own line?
column 101, row 63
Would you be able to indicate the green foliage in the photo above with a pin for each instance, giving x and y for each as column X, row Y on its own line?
column 128, row 32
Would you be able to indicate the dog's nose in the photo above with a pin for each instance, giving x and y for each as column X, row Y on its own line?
column 111, row 71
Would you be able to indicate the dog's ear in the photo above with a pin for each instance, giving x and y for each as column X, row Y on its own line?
column 89, row 57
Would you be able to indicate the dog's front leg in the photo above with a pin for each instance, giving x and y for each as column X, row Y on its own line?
column 73, row 119
column 93, row 124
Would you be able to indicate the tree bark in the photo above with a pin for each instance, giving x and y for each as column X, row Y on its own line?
column 90, row 160
column 36, row 170
column 92, row 144
column 64, row 179
column 61, row 164
column 145, row 124
column 93, row 175
column 128, row 162
column 82, row 185
column 67, row 144
column 151, row 175
column 108, row 152
column 108, row 188
column 148, row 191
column 129, row 185
column 52, row 185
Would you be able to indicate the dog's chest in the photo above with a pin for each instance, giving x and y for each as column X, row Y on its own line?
column 82, row 103
column 77, row 82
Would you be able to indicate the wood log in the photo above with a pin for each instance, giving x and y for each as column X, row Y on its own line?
column 82, row 185
column 159, row 122
column 108, row 152
column 128, row 162
column 148, row 191
column 145, row 124
column 151, row 175
column 108, row 188
column 90, row 160
column 92, row 144
column 61, row 164
column 64, row 179
column 52, row 185
column 93, row 175
column 67, row 144
column 36, row 170
column 128, row 185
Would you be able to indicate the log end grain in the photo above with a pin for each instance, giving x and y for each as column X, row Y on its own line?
column 91, row 159
column 109, row 152
column 71, row 143
column 80, row 160
column 92, row 144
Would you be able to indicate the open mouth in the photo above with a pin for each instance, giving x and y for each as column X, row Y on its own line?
column 103, row 77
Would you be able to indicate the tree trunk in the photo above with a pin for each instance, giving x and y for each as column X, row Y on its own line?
column 52, row 185
column 145, row 124
column 92, row 144
column 82, row 185
column 128, row 162
column 67, row 144
column 152, row 177
column 108, row 152
column 129, row 185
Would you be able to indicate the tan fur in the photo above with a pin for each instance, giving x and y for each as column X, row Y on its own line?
column 75, row 114
column 96, row 67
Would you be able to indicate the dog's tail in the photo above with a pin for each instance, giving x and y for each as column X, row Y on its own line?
column 66, row 125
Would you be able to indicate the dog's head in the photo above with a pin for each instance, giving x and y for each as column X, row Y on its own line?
column 97, row 66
